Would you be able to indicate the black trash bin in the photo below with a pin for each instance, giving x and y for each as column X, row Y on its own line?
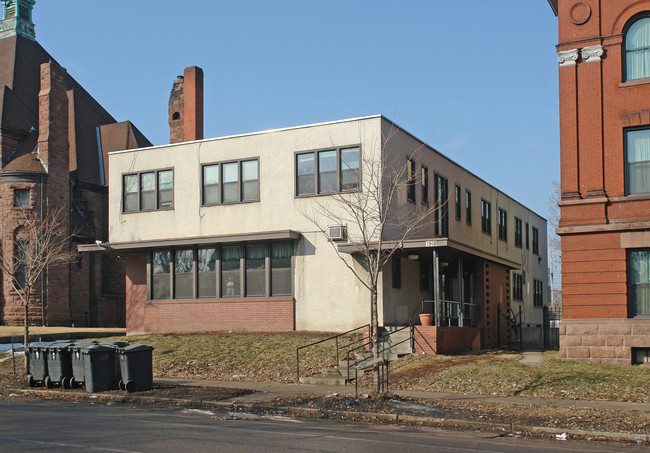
column 78, row 372
column 38, row 364
column 59, row 364
column 117, row 345
column 135, row 364
column 99, row 368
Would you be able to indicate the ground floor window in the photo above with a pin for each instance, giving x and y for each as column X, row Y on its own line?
column 242, row 270
column 638, row 277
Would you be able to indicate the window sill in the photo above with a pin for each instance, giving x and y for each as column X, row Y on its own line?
column 147, row 210
column 635, row 82
column 229, row 203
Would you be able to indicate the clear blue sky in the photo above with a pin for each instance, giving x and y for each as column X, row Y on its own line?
column 476, row 79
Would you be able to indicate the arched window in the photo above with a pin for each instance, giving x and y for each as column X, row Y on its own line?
column 637, row 49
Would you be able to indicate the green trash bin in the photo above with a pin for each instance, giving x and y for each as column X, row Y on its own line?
column 38, row 372
column 136, row 368
column 59, row 364
column 99, row 368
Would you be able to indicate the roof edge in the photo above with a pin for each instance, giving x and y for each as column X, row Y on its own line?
column 553, row 4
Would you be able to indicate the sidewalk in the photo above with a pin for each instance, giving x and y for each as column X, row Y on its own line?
column 9, row 334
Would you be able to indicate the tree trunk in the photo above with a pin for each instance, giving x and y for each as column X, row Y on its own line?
column 26, row 338
column 375, row 338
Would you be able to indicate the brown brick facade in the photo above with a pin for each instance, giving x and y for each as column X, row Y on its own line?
column 599, row 222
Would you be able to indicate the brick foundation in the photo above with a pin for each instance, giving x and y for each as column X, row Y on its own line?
column 445, row 340
column 603, row 340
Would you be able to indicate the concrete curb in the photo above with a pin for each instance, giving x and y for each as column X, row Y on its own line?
column 380, row 416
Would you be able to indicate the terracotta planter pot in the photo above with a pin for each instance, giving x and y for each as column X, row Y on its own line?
column 426, row 319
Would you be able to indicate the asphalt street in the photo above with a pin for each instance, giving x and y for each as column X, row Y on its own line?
column 46, row 426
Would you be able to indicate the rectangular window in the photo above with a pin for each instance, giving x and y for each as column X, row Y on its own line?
column 638, row 277
column 21, row 253
column 518, row 232
column 230, row 275
column 255, row 270
column 160, row 264
column 486, row 217
column 535, row 241
column 396, row 268
column 468, row 207
column 184, row 274
column 410, row 180
column 281, row 269
column 441, row 219
column 517, row 287
column 503, row 224
column 207, row 264
column 538, row 299
column 425, row 185
column 458, row 202
column 148, row 191
column 223, row 180
column 328, row 171
column 21, row 198
column 637, row 150
column 527, row 236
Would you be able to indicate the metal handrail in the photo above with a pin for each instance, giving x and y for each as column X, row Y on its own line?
column 334, row 337
column 369, row 342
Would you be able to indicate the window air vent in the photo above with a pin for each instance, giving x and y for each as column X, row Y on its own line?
column 336, row 232
column 23, row 11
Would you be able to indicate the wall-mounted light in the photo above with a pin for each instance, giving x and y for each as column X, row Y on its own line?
column 413, row 257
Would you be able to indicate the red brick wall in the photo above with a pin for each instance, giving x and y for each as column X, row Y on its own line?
column 202, row 315
column 445, row 340
column 494, row 303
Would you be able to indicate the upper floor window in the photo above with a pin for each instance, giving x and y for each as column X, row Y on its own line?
column 458, row 202
column 638, row 279
column 637, row 151
column 441, row 186
column 527, row 236
column 503, row 225
column 637, row 49
column 328, row 171
column 410, row 180
column 425, row 185
column 518, row 232
column 468, row 207
column 21, row 198
column 148, row 191
column 486, row 217
column 535, row 241
column 231, row 182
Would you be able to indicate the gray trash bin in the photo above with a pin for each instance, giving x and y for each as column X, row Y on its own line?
column 117, row 345
column 38, row 364
column 59, row 364
column 99, row 368
column 77, row 360
column 136, row 367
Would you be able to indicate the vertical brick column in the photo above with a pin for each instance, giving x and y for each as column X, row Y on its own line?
column 569, row 120
column 193, row 100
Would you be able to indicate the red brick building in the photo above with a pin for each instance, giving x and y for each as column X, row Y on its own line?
column 604, row 79
column 54, row 141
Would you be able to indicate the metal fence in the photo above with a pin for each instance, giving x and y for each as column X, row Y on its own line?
column 552, row 319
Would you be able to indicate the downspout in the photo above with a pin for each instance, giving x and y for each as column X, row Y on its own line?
column 44, row 275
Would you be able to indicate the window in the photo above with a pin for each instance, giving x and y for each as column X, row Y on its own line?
column 468, row 207
column 527, row 236
column 637, row 49
column 21, row 253
column 535, row 241
column 328, row 171
column 538, row 299
column 637, row 152
column 410, row 180
column 440, row 215
column 230, row 182
column 517, row 287
column 518, row 232
column 21, row 198
column 486, row 217
column 638, row 277
column 458, row 202
column 218, row 271
column 503, row 224
column 396, row 268
column 425, row 185
column 148, row 191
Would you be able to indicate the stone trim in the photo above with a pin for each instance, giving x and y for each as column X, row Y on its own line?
column 568, row 57
column 591, row 54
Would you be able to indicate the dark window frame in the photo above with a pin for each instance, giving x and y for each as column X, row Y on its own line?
column 538, row 294
column 527, row 236
column 486, row 217
column 23, row 200
column 410, row 180
column 339, row 171
column 632, row 305
column 139, row 192
column 519, row 226
column 441, row 213
column 468, row 207
column 457, row 194
column 633, row 20
column 517, row 287
column 535, row 241
column 626, row 131
column 503, row 224
column 424, row 184
column 240, row 181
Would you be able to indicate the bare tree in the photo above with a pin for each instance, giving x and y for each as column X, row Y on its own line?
column 377, row 225
column 39, row 244
column 555, row 246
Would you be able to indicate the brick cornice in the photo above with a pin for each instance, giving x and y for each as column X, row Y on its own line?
column 600, row 228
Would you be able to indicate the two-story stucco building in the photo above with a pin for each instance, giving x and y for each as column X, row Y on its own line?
column 215, row 237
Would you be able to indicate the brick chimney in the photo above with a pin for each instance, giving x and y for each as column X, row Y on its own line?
column 186, row 106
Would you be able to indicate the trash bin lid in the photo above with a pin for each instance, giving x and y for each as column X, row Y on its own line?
column 136, row 347
column 114, row 344
column 39, row 344
column 95, row 348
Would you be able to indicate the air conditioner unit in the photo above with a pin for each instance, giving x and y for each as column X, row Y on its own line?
column 336, row 233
